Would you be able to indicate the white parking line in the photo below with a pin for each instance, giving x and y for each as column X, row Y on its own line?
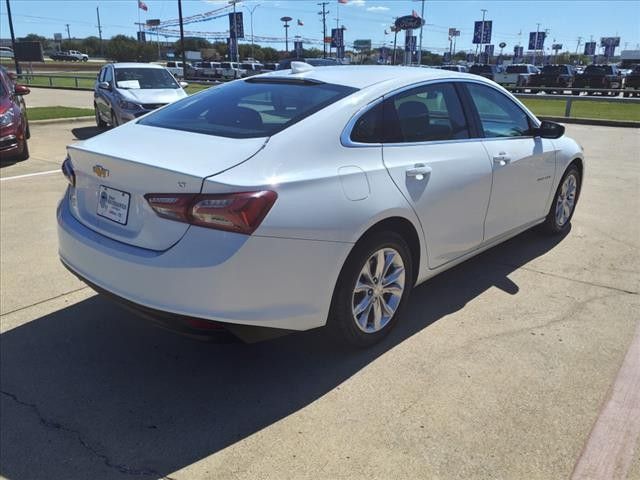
column 610, row 448
column 57, row 170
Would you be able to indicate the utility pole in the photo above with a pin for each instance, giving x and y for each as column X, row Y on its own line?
column 184, row 55
column 251, row 10
column 324, row 13
column 578, row 45
column 234, row 42
column 421, row 29
column 68, row 32
column 100, row 31
column 13, row 38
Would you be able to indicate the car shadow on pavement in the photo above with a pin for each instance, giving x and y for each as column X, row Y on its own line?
column 84, row 133
column 90, row 391
column 7, row 162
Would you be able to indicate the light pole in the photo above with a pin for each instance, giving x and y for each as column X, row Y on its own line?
column 484, row 11
column 286, row 21
column 251, row 10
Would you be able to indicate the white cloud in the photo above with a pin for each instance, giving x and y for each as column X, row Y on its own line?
column 357, row 3
column 377, row 9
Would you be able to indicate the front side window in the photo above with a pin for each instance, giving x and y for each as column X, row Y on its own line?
column 499, row 115
column 108, row 77
column 248, row 109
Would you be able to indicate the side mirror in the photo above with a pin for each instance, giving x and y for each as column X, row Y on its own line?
column 184, row 84
column 104, row 85
column 21, row 90
column 549, row 129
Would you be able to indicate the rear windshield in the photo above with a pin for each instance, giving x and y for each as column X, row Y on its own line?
column 247, row 109
column 598, row 70
column 517, row 69
column 480, row 69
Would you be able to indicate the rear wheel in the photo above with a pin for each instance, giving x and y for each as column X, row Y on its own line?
column 564, row 202
column 372, row 291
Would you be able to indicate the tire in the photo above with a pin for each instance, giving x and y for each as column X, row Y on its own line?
column 100, row 123
column 555, row 223
column 24, row 153
column 371, row 326
column 114, row 119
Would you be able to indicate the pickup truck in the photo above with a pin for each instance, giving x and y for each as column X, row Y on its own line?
column 176, row 69
column 558, row 77
column 209, row 69
column 231, row 70
column 82, row 57
column 487, row 71
column 63, row 57
column 632, row 83
column 606, row 77
column 516, row 75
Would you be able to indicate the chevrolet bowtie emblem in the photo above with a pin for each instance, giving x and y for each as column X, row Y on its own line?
column 100, row 171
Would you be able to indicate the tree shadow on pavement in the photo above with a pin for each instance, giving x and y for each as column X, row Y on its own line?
column 84, row 133
column 90, row 391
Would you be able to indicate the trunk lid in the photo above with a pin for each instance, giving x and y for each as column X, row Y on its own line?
column 116, row 169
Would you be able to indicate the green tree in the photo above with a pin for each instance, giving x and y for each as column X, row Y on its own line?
column 191, row 44
column 91, row 46
column 127, row 49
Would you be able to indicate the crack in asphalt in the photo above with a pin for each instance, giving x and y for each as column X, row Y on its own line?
column 555, row 275
column 124, row 469
column 43, row 301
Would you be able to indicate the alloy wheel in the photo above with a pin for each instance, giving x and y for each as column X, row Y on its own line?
column 566, row 200
column 378, row 290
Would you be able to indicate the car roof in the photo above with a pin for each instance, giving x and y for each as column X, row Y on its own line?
column 136, row 65
column 362, row 76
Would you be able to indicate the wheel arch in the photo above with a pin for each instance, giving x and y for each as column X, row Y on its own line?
column 403, row 227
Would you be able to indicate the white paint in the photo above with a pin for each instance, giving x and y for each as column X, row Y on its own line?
column 17, row 177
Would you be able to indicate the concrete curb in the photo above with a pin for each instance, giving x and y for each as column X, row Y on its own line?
column 593, row 121
column 60, row 120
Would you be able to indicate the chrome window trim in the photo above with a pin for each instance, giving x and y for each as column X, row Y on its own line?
column 345, row 136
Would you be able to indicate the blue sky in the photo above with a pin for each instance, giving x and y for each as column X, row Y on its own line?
column 364, row 19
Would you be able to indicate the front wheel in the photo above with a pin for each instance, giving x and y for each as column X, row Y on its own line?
column 564, row 202
column 372, row 290
column 100, row 123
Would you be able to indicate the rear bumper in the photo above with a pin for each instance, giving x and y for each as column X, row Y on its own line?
column 213, row 275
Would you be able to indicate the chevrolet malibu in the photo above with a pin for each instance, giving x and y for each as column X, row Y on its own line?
column 310, row 197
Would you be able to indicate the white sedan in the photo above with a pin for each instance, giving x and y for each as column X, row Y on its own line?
column 310, row 197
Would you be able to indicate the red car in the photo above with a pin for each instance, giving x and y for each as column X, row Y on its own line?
column 14, row 127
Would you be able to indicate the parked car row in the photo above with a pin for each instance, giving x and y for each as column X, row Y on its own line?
column 219, row 70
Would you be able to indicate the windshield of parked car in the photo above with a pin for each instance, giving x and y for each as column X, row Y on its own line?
column 598, row 70
column 248, row 109
column 144, row 78
column 553, row 69
column 517, row 69
column 480, row 69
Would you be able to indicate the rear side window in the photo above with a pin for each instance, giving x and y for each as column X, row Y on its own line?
column 499, row 115
column 248, row 109
column 427, row 113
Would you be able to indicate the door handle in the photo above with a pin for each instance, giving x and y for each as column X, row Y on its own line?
column 419, row 171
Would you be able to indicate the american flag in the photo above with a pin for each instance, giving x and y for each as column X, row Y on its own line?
column 344, row 2
column 142, row 5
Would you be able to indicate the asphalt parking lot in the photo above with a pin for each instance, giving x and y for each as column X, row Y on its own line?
column 499, row 370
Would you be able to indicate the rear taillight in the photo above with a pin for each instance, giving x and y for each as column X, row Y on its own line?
column 67, row 171
column 234, row 212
